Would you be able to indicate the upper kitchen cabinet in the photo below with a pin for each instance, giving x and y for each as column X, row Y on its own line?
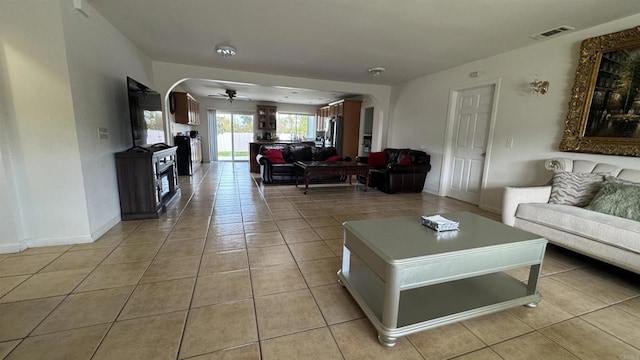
column 187, row 109
column 322, row 118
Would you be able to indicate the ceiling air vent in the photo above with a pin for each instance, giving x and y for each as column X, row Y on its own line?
column 551, row 32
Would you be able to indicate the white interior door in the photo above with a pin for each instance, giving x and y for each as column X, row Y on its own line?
column 471, row 130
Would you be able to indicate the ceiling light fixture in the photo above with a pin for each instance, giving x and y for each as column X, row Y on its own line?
column 376, row 70
column 226, row 50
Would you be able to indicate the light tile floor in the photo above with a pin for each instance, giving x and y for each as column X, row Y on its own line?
column 234, row 270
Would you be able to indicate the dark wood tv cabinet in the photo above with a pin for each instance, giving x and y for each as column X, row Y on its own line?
column 147, row 181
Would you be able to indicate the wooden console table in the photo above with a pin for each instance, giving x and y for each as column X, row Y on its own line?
column 147, row 181
column 319, row 169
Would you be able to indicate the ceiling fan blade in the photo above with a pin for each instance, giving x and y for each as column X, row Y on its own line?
column 226, row 96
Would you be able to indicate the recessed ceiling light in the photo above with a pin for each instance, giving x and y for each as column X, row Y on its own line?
column 226, row 50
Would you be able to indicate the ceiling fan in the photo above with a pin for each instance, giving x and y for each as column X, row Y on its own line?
column 230, row 95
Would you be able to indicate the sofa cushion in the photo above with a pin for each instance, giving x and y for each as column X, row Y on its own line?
column 618, row 198
column 297, row 152
column 406, row 160
column 378, row 159
column 334, row 158
column 394, row 154
column 283, row 169
column 323, row 153
column 274, row 155
column 608, row 229
column 569, row 188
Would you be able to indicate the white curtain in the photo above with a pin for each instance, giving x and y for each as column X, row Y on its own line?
column 213, row 132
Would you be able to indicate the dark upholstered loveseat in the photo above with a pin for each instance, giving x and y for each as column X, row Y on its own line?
column 291, row 153
column 398, row 173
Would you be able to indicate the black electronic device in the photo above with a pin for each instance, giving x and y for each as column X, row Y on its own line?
column 145, row 110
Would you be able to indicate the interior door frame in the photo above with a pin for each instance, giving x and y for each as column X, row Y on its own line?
column 454, row 95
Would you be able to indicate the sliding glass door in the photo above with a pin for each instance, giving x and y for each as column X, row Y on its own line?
column 235, row 131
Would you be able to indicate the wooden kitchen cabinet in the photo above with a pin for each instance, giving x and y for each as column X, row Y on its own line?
column 187, row 109
column 322, row 118
column 347, row 111
column 266, row 117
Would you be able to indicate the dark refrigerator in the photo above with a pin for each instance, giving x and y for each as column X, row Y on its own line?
column 334, row 133
column 183, row 154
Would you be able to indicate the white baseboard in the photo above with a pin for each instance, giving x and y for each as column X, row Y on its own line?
column 431, row 191
column 68, row 240
column 95, row 235
column 12, row 248
column 492, row 209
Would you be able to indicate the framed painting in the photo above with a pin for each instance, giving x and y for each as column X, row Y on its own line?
column 604, row 110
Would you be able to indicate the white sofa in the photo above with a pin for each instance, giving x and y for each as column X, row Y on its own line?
column 608, row 238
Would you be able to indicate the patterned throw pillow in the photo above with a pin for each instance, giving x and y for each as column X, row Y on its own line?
column 577, row 189
column 617, row 198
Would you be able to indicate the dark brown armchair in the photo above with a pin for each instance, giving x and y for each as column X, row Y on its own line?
column 398, row 173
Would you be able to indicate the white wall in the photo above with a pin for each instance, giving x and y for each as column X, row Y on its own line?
column 11, row 235
column 99, row 59
column 57, row 183
column 534, row 122
column 44, row 156
column 10, row 239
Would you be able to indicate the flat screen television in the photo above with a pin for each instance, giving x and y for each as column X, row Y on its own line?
column 145, row 110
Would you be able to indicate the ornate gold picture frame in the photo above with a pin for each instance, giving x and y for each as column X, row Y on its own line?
column 604, row 110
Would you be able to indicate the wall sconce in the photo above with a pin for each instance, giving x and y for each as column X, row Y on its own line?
column 539, row 87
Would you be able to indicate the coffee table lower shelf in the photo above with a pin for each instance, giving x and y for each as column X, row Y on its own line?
column 431, row 306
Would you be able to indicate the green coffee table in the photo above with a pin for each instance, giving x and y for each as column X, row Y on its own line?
column 409, row 278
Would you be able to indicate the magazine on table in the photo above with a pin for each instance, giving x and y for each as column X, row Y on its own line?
column 440, row 223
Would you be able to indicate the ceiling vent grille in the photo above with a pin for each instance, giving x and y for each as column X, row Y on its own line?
column 551, row 32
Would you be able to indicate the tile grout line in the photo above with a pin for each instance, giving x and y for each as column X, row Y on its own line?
column 66, row 297
column 195, row 284
column 135, row 286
